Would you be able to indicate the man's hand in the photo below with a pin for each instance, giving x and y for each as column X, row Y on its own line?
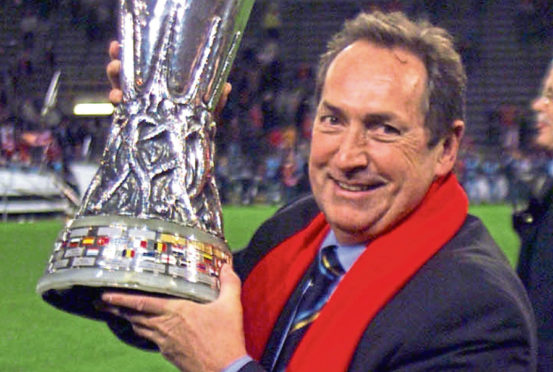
column 113, row 71
column 194, row 337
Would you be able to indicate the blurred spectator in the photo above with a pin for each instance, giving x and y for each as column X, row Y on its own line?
column 65, row 140
column 294, row 103
column 271, row 19
column 496, row 181
column 25, row 63
column 94, row 139
column 241, row 172
column 291, row 173
column 508, row 117
column 270, row 63
column 272, row 186
column 50, row 56
column 474, row 181
column 7, row 140
column 222, row 177
column 519, row 171
column 29, row 114
column 28, row 26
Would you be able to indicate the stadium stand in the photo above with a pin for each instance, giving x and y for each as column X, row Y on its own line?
column 504, row 70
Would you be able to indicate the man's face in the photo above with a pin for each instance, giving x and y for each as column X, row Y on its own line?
column 543, row 106
column 369, row 164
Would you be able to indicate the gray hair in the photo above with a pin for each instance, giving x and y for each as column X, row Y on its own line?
column 444, row 101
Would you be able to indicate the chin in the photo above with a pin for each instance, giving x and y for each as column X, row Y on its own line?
column 351, row 230
column 543, row 144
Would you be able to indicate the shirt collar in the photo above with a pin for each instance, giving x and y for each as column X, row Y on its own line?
column 347, row 254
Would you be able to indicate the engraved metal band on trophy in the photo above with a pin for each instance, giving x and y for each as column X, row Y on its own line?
column 151, row 218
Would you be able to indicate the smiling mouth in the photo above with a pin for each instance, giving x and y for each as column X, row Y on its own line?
column 357, row 188
column 542, row 121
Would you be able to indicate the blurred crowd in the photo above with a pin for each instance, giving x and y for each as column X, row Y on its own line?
column 511, row 178
column 263, row 138
column 34, row 133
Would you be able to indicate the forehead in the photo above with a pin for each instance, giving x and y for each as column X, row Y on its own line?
column 548, row 81
column 363, row 58
column 367, row 71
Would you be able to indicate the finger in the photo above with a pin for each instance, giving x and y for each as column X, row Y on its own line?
column 143, row 325
column 114, row 49
column 230, row 284
column 130, row 315
column 227, row 88
column 115, row 96
column 146, row 332
column 139, row 318
column 143, row 304
column 103, row 306
column 113, row 71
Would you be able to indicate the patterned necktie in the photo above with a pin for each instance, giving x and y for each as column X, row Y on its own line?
column 324, row 278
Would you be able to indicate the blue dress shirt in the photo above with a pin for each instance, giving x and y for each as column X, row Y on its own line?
column 347, row 255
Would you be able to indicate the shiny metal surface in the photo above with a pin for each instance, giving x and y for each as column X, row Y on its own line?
column 151, row 218
column 159, row 158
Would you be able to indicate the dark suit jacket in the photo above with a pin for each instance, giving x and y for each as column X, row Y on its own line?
column 464, row 310
column 535, row 267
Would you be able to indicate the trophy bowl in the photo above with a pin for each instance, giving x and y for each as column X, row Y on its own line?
column 151, row 219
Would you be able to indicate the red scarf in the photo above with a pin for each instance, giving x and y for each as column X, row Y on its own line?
column 378, row 274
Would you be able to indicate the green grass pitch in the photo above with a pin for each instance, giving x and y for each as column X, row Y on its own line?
column 36, row 337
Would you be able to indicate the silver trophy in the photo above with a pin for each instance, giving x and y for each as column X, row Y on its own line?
column 151, row 220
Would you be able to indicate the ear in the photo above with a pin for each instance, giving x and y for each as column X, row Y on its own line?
column 448, row 149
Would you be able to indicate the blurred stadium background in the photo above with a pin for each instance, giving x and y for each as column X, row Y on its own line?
column 53, row 55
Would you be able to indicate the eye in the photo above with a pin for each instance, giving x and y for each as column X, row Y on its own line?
column 389, row 129
column 329, row 119
column 382, row 127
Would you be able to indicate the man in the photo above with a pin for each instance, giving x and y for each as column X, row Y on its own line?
column 425, row 287
column 535, row 228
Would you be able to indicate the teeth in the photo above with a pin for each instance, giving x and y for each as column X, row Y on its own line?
column 348, row 187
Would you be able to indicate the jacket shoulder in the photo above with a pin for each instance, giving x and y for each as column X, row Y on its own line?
column 464, row 307
column 287, row 221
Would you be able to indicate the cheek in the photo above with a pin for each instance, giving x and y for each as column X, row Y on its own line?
column 396, row 160
column 322, row 148
column 545, row 137
column 549, row 112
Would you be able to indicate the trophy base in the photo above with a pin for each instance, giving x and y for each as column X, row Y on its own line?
column 105, row 253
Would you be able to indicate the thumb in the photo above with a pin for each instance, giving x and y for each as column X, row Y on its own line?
column 230, row 283
column 222, row 102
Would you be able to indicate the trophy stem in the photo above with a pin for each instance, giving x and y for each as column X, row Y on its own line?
column 151, row 219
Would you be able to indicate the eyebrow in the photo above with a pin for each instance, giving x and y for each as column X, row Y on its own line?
column 332, row 108
column 368, row 118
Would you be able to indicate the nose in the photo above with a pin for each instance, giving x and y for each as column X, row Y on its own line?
column 539, row 103
column 353, row 151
